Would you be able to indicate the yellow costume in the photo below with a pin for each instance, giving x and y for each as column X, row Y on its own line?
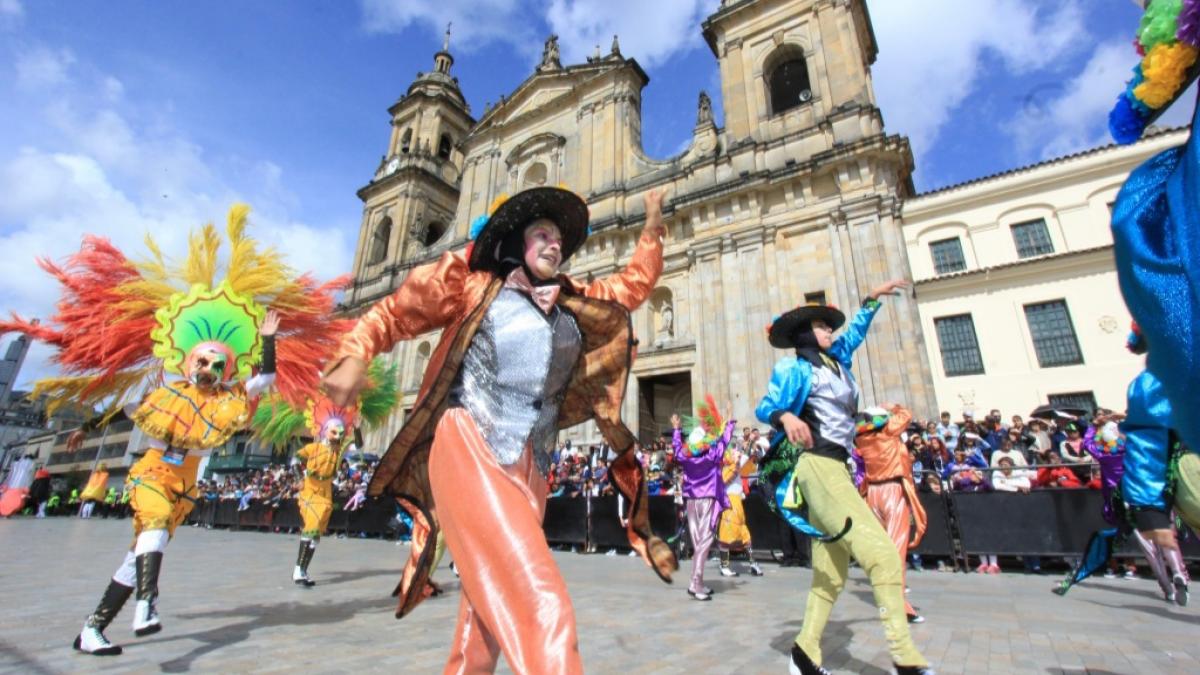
column 316, row 497
column 161, row 494
column 733, row 534
column 97, row 485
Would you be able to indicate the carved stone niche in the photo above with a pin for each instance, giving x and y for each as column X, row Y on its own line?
column 536, row 161
column 662, row 308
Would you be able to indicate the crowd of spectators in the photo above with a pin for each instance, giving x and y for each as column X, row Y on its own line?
column 972, row 455
column 276, row 482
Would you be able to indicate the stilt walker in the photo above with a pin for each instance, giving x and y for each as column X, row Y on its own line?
column 888, row 484
column 524, row 351
column 328, row 427
column 812, row 399
column 124, row 326
column 701, row 457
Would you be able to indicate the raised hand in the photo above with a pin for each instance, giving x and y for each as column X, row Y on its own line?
column 676, row 423
column 654, row 201
column 270, row 325
column 889, row 288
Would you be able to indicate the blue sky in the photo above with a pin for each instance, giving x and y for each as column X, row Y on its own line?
column 128, row 116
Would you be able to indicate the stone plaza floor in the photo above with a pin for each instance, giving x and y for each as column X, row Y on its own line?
column 228, row 606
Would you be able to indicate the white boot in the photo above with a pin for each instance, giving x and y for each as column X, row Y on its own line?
column 92, row 641
column 301, row 577
column 145, row 619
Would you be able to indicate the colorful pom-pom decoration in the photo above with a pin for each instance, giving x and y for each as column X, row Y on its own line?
column 1168, row 39
column 1125, row 125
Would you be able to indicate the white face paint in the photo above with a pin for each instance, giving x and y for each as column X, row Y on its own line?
column 543, row 249
column 696, row 437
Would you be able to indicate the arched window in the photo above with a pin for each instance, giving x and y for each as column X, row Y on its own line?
column 444, row 146
column 379, row 241
column 433, row 232
column 787, row 81
column 406, row 140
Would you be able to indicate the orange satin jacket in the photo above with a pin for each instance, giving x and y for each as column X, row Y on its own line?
column 886, row 458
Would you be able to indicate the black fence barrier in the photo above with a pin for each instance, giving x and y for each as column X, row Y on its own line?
column 1046, row 522
column 937, row 533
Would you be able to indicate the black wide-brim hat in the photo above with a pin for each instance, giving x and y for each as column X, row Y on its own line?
column 783, row 329
column 565, row 208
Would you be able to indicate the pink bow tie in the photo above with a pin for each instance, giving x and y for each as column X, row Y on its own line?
column 543, row 296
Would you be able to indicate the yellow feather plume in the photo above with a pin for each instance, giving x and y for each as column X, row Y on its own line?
column 254, row 272
column 64, row 391
column 201, row 264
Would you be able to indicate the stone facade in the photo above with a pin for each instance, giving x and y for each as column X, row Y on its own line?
column 789, row 200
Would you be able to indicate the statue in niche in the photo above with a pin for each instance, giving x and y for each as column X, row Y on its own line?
column 550, row 57
column 666, row 324
column 704, row 109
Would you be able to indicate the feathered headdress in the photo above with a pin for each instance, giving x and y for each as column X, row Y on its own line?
column 276, row 421
column 1168, row 39
column 871, row 419
column 122, row 324
column 706, row 427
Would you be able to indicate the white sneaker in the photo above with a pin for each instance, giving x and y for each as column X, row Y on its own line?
column 633, row 554
column 755, row 570
column 91, row 641
column 1130, row 574
column 1181, row 590
column 1109, row 574
column 611, row 551
column 145, row 619
column 728, row 572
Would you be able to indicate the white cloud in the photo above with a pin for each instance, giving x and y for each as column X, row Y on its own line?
column 1075, row 117
column 93, row 161
column 932, row 53
column 650, row 32
column 476, row 22
column 41, row 67
column 11, row 8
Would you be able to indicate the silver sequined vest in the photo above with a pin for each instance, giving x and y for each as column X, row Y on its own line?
column 834, row 400
column 515, row 374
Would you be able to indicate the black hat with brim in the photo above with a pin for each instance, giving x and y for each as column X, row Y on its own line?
column 565, row 208
column 783, row 330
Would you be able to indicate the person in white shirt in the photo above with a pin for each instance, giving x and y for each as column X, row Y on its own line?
column 1007, row 479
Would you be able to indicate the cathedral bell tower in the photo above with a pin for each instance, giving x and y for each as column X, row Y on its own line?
column 410, row 202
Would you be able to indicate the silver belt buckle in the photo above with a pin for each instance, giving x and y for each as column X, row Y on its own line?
column 174, row 456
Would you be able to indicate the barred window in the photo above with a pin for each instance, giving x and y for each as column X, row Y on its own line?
column 1032, row 238
column 1053, row 334
column 960, row 348
column 947, row 256
column 1083, row 400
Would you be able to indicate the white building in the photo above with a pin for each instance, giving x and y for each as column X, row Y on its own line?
column 1016, row 284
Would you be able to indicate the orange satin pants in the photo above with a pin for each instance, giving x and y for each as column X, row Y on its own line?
column 890, row 506
column 514, row 600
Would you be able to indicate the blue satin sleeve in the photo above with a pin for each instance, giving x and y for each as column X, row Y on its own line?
column 1147, row 442
column 791, row 380
column 852, row 337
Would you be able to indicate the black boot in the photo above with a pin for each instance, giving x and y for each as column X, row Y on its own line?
column 802, row 665
column 303, row 557
column 914, row 670
column 91, row 639
column 145, row 614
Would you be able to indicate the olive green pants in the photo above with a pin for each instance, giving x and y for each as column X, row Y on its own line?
column 1187, row 490
column 831, row 498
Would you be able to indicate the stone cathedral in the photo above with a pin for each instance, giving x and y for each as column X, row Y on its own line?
column 796, row 198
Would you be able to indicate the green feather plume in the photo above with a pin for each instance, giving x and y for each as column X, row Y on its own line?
column 380, row 395
column 276, row 422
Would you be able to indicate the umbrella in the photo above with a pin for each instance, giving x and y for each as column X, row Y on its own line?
column 1054, row 412
column 1095, row 558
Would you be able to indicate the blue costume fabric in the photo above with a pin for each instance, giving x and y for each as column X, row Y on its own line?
column 1156, row 235
column 1147, row 443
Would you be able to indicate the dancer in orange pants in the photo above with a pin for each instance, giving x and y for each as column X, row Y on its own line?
column 888, row 486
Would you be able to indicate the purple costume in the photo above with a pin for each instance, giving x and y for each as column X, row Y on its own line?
column 1112, row 467
column 706, row 498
